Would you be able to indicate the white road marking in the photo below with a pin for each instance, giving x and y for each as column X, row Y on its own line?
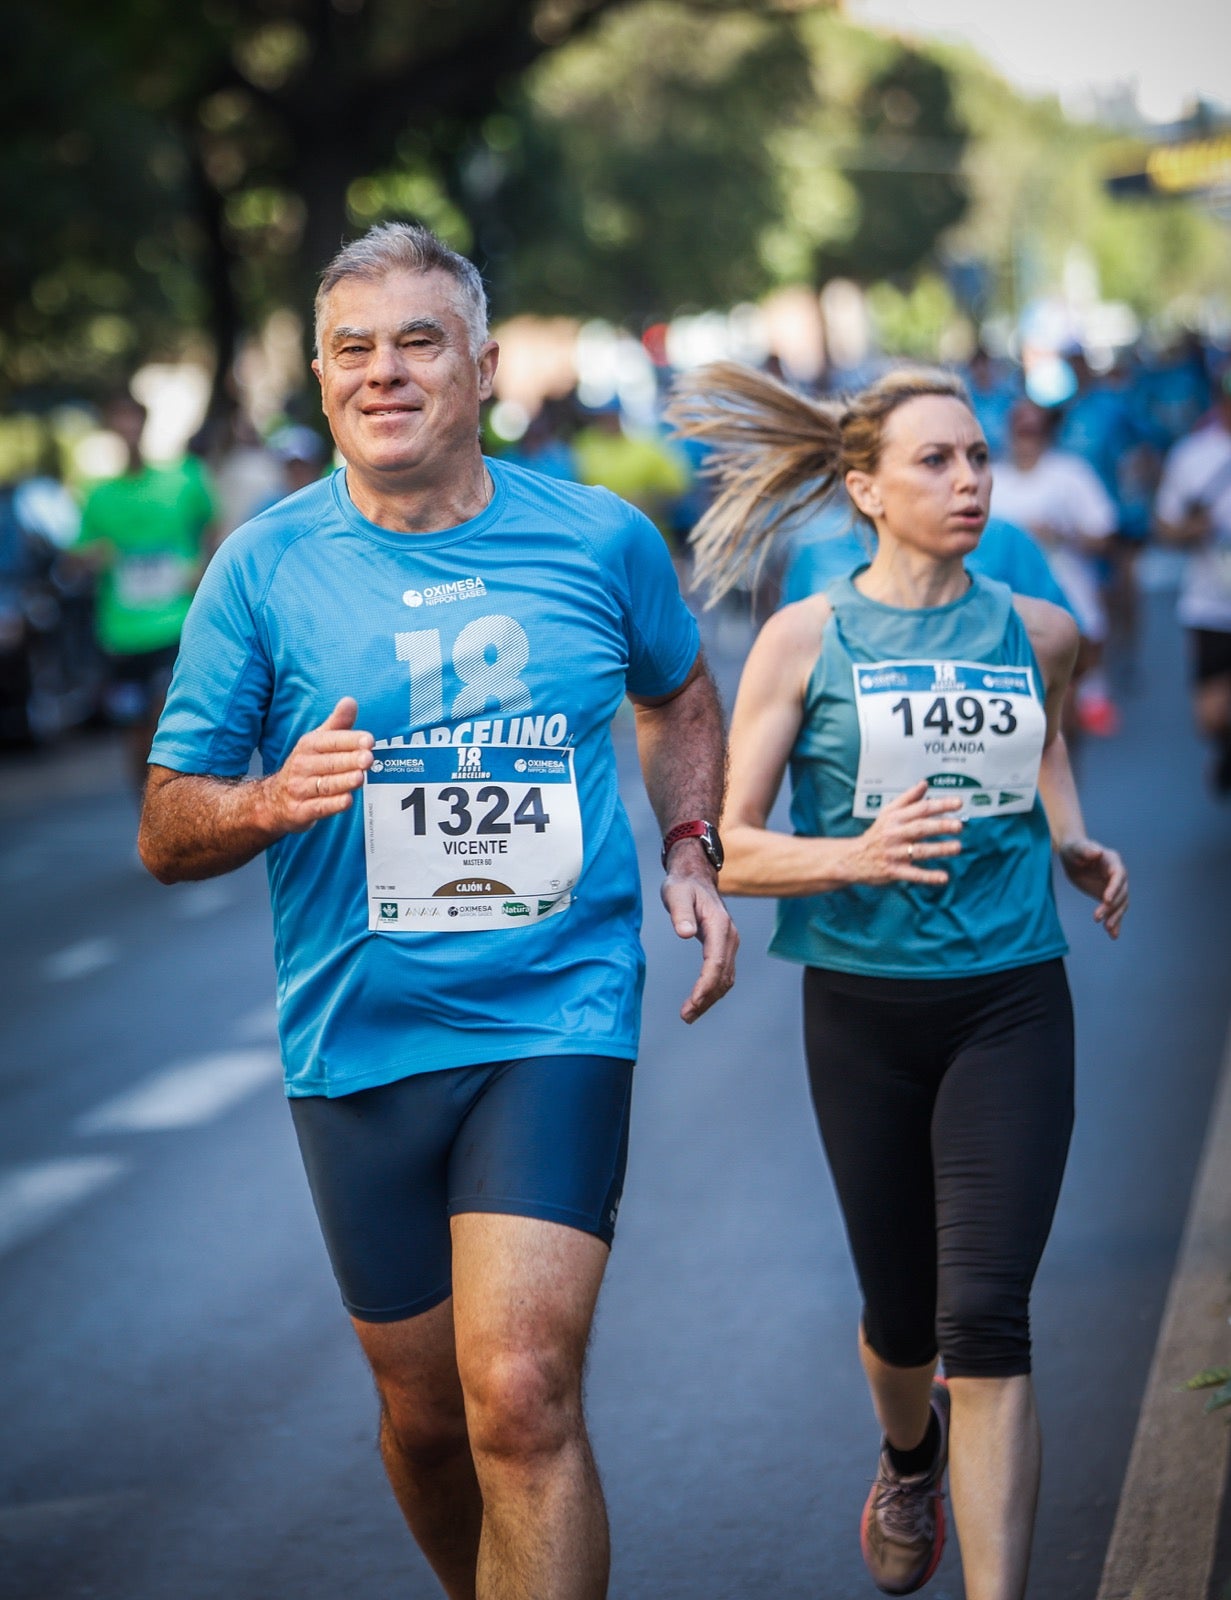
column 47, row 1519
column 185, row 1095
column 202, row 900
column 33, row 1197
column 77, row 960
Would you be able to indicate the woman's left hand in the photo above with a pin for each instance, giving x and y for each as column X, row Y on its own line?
column 1098, row 872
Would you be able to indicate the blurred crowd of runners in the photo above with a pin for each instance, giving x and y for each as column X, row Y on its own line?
column 1096, row 462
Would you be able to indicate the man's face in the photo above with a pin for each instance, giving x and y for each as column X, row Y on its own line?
column 399, row 385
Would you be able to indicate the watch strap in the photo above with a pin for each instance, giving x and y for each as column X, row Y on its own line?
column 698, row 828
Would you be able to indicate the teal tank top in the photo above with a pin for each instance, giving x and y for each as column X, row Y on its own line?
column 953, row 693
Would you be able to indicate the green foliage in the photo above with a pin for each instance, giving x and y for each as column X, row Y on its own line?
column 189, row 166
column 905, row 172
column 637, row 175
column 1216, row 1378
column 176, row 171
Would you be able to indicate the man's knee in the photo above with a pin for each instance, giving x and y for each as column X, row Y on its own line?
column 427, row 1431
column 521, row 1403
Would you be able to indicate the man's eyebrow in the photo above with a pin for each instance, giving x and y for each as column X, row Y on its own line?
column 423, row 325
column 431, row 325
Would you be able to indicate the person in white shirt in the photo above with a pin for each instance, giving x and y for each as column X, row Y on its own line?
column 1059, row 498
column 1193, row 511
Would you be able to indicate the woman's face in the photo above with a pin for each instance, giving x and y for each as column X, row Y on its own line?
column 933, row 483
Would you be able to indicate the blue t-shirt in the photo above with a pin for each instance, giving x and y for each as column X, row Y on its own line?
column 830, row 548
column 525, row 625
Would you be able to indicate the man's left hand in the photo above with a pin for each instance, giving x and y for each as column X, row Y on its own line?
column 697, row 912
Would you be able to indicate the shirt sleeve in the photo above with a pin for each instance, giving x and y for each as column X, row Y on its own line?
column 223, row 679
column 1009, row 553
column 663, row 637
column 91, row 529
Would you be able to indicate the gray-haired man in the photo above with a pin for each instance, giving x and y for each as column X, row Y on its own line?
column 447, row 638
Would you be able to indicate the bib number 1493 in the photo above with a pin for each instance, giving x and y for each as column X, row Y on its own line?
column 963, row 727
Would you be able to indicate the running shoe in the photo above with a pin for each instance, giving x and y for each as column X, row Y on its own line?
column 903, row 1530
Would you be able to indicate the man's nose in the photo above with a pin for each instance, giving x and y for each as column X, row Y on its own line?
column 387, row 366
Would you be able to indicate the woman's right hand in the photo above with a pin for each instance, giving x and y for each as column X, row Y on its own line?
column 914, row 828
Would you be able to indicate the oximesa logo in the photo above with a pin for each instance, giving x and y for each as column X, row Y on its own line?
column 412, row 597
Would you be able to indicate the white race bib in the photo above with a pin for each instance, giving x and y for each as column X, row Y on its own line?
column 150, row 580
column 470, row 836
column 968, row 729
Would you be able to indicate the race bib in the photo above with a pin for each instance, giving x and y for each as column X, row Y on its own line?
column 152, row 580
column 470, row 836
column 968, row 729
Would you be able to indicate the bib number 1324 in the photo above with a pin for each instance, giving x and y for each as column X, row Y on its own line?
column 470, row 836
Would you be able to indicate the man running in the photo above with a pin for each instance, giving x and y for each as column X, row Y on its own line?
column 1193, row 510
column 147, row 532
column 427, row 649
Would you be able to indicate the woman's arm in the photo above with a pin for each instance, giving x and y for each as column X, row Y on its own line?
column 765, row 724
column 1090, row 867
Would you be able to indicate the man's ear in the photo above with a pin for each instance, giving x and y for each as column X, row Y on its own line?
column 320, row 377
column 489, row 357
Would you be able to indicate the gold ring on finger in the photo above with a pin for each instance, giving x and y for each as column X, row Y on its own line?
column 318, row 788
column 910, row 852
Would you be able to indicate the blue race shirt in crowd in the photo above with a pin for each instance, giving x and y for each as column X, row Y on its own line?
column 830, row 548
column 480, row 900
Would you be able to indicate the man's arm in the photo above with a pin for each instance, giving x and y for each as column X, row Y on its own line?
column 683, row 761
column 196, row 826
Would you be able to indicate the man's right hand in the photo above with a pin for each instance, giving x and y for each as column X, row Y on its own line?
column 321, row 772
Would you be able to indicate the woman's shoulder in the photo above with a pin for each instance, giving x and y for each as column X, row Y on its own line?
column 786, row 649
column 1051, row 630
column 799, row 626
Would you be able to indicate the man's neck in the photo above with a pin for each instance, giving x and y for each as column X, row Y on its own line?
column 420, row 505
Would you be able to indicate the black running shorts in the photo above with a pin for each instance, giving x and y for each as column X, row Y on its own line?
column 542, row 1137
column 1211, row 654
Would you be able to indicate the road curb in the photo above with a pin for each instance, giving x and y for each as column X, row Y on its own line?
column 1166, row 1530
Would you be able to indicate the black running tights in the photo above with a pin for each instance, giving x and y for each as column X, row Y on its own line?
column 945, row 1107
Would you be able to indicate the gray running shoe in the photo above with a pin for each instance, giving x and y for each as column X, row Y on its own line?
column 903, row 1530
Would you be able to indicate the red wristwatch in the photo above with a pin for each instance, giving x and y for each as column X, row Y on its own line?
column 705, row 832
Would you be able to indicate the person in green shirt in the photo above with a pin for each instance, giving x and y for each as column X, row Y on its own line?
column 147, row 534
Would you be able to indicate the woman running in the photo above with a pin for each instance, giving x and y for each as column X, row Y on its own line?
column 917, row 707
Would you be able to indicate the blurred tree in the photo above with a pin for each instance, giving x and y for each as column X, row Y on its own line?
column 92, row 262
column 905, row 173
column 637, row 175
column 215, row 145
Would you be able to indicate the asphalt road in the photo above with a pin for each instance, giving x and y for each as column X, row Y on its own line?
column 182, row 1409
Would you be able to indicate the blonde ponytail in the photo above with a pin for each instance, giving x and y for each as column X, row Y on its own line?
column 775, row 455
